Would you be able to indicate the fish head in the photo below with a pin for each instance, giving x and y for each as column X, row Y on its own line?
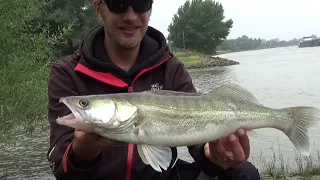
column 89, row 109
column 97, row 111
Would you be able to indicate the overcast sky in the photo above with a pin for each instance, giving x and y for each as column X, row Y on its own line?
column 268, row 19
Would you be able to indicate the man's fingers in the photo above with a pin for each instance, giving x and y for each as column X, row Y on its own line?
column 238, row 153
column 93, row 139
column 229, row 152
column 217, row 149
column 244, row 141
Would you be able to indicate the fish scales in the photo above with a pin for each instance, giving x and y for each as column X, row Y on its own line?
column 180, row 118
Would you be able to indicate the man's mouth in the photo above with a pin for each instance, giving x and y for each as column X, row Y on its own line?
column 129, row 30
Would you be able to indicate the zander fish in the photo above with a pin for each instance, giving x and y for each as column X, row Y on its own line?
column 158, row 120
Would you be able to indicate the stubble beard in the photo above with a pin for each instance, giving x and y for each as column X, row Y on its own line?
column 129, row 43
column 126, row 43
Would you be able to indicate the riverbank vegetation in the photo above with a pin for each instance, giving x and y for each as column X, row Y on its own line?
column 26, row 52
column 301, row 167
column 196, row 60
column 282, row 167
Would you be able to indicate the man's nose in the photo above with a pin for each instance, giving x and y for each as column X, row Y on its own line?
column 130, row 14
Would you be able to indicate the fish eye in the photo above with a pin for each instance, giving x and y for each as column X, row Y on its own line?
column 83, row 102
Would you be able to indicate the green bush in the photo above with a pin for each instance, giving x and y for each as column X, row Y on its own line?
column 26, row 53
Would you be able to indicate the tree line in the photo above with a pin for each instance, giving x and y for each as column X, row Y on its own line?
column 245, row 43
column 200, row 25
column 43, row 31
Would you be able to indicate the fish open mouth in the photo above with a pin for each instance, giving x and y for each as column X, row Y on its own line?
column 75, row 119
column 74, row 115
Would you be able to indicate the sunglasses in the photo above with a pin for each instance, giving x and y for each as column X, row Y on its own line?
column 121, row 6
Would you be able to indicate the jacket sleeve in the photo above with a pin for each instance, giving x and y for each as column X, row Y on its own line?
column 183, row 82
column 60, row 84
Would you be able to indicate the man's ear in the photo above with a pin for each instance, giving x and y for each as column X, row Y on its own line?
column 150, row 12
column 97, row 7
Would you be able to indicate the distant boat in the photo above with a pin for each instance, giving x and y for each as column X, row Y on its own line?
column 309, row 42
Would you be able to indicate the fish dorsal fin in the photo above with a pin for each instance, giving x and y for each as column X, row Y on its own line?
column 171, row 93
column 234, row 91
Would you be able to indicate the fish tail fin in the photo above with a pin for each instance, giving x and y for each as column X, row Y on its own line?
column 303, row 119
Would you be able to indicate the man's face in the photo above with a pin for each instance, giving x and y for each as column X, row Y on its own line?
column 124, row 27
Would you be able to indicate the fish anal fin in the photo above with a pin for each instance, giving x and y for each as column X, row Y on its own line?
column 235, row 92
column 142, row 156
column 157, row 157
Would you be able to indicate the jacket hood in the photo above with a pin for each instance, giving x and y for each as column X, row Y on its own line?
column 153, row 50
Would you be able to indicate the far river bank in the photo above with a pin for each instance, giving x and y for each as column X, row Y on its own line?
column 194, row 60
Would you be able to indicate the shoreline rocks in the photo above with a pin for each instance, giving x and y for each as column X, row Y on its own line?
column 212, row 62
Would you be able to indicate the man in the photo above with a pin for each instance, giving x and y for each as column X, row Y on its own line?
column 126, row 55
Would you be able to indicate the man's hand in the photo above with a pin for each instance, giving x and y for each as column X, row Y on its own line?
column 87, row 147
column 230, row 152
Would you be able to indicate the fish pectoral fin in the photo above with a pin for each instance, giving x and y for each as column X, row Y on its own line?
column 252, row 133
column 143, row 121
column 156, row 157
column 234, row 91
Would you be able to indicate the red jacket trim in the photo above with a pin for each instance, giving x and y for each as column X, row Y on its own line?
column 65, row 158
column 103, row 77
column 146, row 70
column 129, row 161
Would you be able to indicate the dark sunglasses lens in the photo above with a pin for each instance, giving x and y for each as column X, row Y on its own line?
column 116, row 6
column 142, row 5
column 121, row 6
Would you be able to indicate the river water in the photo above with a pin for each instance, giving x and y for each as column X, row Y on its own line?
column 279, row 77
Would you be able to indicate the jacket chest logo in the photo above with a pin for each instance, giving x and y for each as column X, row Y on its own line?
column 156, row 87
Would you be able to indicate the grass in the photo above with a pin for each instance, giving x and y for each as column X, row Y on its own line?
column 305, row 168
column 277, row 167
column 189, row 57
